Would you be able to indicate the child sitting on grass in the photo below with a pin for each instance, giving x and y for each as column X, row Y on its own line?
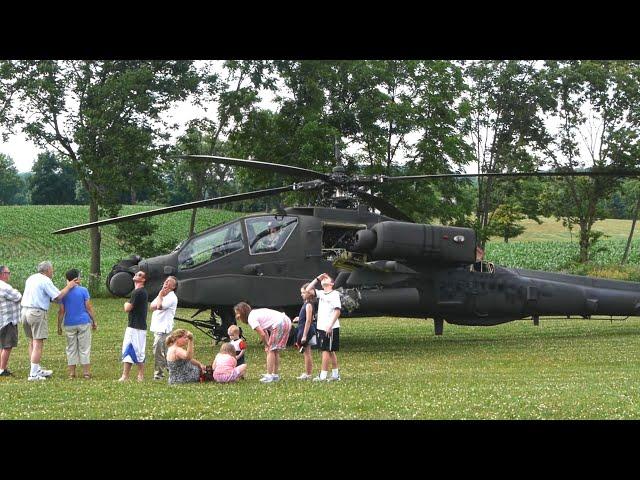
column 224, row 365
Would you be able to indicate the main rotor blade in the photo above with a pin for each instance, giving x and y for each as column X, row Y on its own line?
column 385, row 207
column 271, row 167
column 385, row 178
column 183, row 206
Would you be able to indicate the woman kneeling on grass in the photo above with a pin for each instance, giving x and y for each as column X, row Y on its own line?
column 273, row 328
column 224, row 366
column 183, row 368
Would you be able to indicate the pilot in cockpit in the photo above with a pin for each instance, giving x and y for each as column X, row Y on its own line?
column 271, row 241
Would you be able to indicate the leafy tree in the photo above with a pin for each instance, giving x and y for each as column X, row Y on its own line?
column 11, row 185
column 53, row 181
column 8, row 89
column 631, row 188
column 505, row 221
column 507, row 102
column 594, row 111
column 387, row 117
column 104, row 117
column 234, row 93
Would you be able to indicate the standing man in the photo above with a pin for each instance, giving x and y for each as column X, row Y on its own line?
column 164, row 309
column 39, row 292
column 329, row 309
column 135, row 336
column 9, row 315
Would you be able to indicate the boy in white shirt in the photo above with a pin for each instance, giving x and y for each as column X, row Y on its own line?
column 328, row 326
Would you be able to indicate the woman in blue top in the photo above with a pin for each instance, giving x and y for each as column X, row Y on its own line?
column 306, row 329
column 79, row 320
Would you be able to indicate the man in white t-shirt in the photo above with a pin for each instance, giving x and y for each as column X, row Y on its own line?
column 39, row 292
column 164, row 310
column 328, row 326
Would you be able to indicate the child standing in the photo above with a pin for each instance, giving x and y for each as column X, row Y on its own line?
column 238, row 343
column 306, row 329
column 329, row 309
column 224, row 365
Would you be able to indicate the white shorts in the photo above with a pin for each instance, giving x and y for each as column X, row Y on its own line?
column 133, row 345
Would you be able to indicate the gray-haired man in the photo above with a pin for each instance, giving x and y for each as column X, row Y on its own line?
column 39, row 292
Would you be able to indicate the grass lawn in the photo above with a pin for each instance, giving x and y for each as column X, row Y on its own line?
column 391, row 369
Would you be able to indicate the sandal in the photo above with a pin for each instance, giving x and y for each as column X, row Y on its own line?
column 86, row 376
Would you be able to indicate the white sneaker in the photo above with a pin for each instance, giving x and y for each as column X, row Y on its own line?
column 318, row 379
column 268, row 378
column 333, row 379
column 36, row 377
column 304, row 376
column 275, row 377
column 45, row 373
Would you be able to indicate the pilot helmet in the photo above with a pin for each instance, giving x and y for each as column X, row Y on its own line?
column 273, row 224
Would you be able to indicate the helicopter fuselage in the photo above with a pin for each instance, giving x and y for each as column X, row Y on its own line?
column 438, row 278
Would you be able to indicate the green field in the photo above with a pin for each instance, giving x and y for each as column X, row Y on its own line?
column 391, row 369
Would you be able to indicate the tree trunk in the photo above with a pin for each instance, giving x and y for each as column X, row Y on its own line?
column 633, row 227
column 95, row 239
column 584, row 243
column 193, row 222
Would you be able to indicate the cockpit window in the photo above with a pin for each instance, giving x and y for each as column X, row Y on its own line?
column 269, row 233
column 211, row 246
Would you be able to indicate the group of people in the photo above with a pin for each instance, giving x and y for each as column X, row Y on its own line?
column 274, row 327
column 173, row 350
column 31, row 309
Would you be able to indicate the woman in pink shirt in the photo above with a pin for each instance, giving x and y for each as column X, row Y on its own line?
column 273, row 328
column 224, row 365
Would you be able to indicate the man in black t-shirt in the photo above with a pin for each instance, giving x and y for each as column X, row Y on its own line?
column 135, row 336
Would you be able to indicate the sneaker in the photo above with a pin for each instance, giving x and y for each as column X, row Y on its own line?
column 45, row 373
column 304, row 376
column 158, row 377
column 275, row 377
column 268, row 378
column 318, row 379
column 36, row 377
column 6, row 373
column 333, row 379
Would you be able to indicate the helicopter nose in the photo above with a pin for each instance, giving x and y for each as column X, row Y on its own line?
column 121, row 284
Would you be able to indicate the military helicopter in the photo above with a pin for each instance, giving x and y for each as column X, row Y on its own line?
column 383, row 263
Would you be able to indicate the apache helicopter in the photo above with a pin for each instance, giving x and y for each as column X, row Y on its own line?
column 383, row 263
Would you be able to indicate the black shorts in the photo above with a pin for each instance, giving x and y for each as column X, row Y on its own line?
column 9, row 336
column 329, row 344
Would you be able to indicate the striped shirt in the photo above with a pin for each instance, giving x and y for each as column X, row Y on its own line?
column 9, row 304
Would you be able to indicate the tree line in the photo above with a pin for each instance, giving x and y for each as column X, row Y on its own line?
column 105, row 132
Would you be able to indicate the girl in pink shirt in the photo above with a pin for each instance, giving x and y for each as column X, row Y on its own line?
column 224, row 365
